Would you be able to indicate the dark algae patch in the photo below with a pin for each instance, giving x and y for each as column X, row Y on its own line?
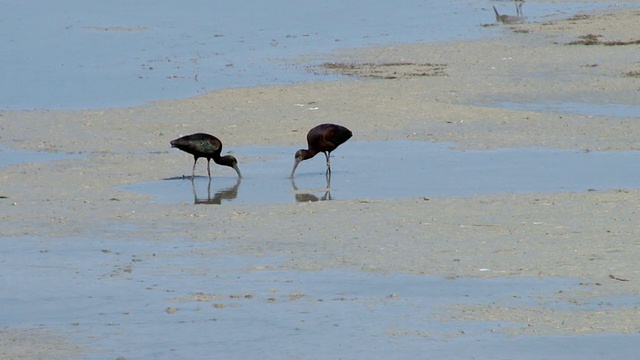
column 388, row 70
column 592, row 39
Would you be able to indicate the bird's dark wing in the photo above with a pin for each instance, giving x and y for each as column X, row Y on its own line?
column 198, row 144
column 337, row 135
column 207, row 146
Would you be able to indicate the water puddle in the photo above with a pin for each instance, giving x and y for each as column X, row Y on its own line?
column 588, row 109
column 398, row 169
column 14, row 157
column 144, row 299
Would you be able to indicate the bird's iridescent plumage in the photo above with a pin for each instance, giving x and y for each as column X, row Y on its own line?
column 206, row 146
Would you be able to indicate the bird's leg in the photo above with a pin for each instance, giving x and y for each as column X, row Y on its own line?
column 327, row 155
column 193, row 170
column 209, row 167
column 519, row 9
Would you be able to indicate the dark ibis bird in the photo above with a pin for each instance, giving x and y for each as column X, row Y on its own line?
column 206, row 146
column 323, row 138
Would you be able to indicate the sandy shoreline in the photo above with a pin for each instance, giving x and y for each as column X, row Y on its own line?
column 591, row 236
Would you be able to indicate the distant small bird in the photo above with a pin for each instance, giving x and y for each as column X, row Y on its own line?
column 510, row 19
column 206, row 146
column 322, row 138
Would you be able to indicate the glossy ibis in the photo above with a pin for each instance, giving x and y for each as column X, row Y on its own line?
column 322, row 138
column 206, row 146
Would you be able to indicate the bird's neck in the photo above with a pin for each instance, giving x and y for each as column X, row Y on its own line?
column 224, row 160
column 308, row 154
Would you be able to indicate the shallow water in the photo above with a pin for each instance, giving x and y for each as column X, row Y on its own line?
column 96, row 54
column 15, row 157
column 580, row 108
column 398, row 169
column 145, row 299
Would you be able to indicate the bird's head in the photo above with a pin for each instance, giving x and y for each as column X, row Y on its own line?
column 299, row 156
column 231, row 161
column 235, row 166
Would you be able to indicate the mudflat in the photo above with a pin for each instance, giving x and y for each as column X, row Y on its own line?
column 469, row 93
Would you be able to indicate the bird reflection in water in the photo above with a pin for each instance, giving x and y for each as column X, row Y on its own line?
column 229, row 193
column 307, row 196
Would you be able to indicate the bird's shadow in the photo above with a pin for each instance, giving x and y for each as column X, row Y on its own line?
column 307, row 196
column 186, row 177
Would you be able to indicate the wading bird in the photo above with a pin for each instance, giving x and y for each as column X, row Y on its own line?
column 206, row 146
column 322, row 138
column 510, row 19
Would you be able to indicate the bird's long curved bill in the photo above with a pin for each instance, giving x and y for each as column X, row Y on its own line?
column 237, row 169
column 295, row 165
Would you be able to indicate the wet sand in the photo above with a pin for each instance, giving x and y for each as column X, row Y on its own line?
column 590, row 236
